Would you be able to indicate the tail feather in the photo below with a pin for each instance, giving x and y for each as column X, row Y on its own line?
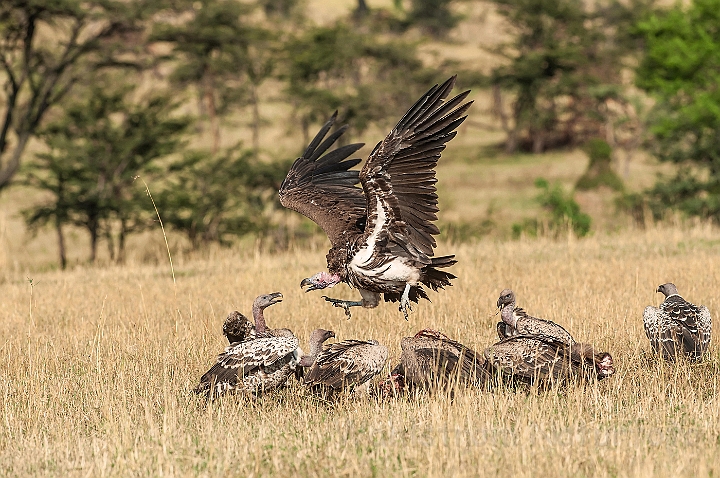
column 436, row 279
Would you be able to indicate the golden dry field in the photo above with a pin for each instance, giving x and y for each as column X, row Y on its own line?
column 97, row 364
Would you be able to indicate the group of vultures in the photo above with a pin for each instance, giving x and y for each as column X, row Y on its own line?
column 383, row 245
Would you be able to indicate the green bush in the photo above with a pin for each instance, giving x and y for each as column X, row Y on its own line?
column 563, row 213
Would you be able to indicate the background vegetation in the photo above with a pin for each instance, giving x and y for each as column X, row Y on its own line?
column 208, row 102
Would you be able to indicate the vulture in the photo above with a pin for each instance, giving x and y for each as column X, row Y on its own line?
column 342, row 365
column 677, row 327
column 537, row 358
column 382, row 233
column 432, row 360
column 515, row 321
column 260, row 360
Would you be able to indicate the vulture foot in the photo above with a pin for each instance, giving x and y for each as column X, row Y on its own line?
column 405, row 306
column 345, row 304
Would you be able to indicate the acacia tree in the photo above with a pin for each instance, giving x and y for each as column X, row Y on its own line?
column 563, row 70
column 95, row 153
column 367, row 78
column 680, row 69
column 46, row 49
column 224, row 55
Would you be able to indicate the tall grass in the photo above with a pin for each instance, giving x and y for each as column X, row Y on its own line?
column 96, row 384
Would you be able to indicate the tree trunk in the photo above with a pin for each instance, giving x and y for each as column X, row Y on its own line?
column 121, row 242
column 8, row 170
column 212, row 113
column 362, row 10
column 61, row 243
column 93, row 229
column 255, row 118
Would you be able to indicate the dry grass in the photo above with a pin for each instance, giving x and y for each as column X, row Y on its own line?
column 97, row 364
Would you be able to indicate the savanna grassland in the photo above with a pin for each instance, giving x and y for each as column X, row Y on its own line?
column 97, row 364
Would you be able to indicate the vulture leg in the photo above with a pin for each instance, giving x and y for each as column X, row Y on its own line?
column 345, row 304
column 405, row 307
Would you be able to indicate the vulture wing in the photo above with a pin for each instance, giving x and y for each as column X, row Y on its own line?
column 528, row 357
column 246, row 357
column 323, row 188
column 347, row 362
column 399, row 176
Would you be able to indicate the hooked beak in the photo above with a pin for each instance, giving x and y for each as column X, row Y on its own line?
column 316, row 282
column 311, row 283
column 332, row 334
column 275, row 298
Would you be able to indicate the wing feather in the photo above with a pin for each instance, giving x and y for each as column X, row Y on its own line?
column 323, row 187
column 399, row 176
column 347, row 362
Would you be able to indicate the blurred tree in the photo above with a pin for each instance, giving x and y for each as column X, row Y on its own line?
column 599, row 173
column 681, row 68
column 367, row 78
column 434, row 17
column 564, row 68
column 46, row 48
column 95, row 153
column 214, row 197
column 223, row 54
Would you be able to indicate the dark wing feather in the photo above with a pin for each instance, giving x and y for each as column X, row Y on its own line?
column 399, row 176
column 323, row 187
column 347, row 362
column 529, row 357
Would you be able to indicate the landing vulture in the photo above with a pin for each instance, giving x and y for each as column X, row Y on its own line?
column 542, row 358
column 381, row 235
column 515, row 321
column 342, row 365
column 677, row 327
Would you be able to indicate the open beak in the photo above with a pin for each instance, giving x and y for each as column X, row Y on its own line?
column 312, row 285
column 275, row 298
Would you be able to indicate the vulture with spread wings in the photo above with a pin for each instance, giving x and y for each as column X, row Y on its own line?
column 381, row 235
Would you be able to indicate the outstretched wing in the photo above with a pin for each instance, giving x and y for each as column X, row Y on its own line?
column 399, row 176
column 347, row 362
column 323, row 188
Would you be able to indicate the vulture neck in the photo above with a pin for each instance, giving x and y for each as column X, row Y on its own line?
column 260, row 325
column 508, row 314
column 315, row 349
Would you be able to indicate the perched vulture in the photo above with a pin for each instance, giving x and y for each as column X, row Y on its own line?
column 515, row 321
column 261, row 360
column 677, row 327
column 537, row 358
column 342, row 365
column 381, row 235
column 432, row 360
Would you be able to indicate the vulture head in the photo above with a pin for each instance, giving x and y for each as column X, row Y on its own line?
column 237, row 327
column 321, row 280
column 602, row 361
column 667, row 289
column 317, row 338
column 265, row 301
column 507, row 297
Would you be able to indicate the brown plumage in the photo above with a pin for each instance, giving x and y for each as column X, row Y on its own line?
column 677, row 327
column 432, row 360
column 517, row 322
column 538, row 358
column 342, row 365
column 237, row 328
column 381, row 235
column 258, row 359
